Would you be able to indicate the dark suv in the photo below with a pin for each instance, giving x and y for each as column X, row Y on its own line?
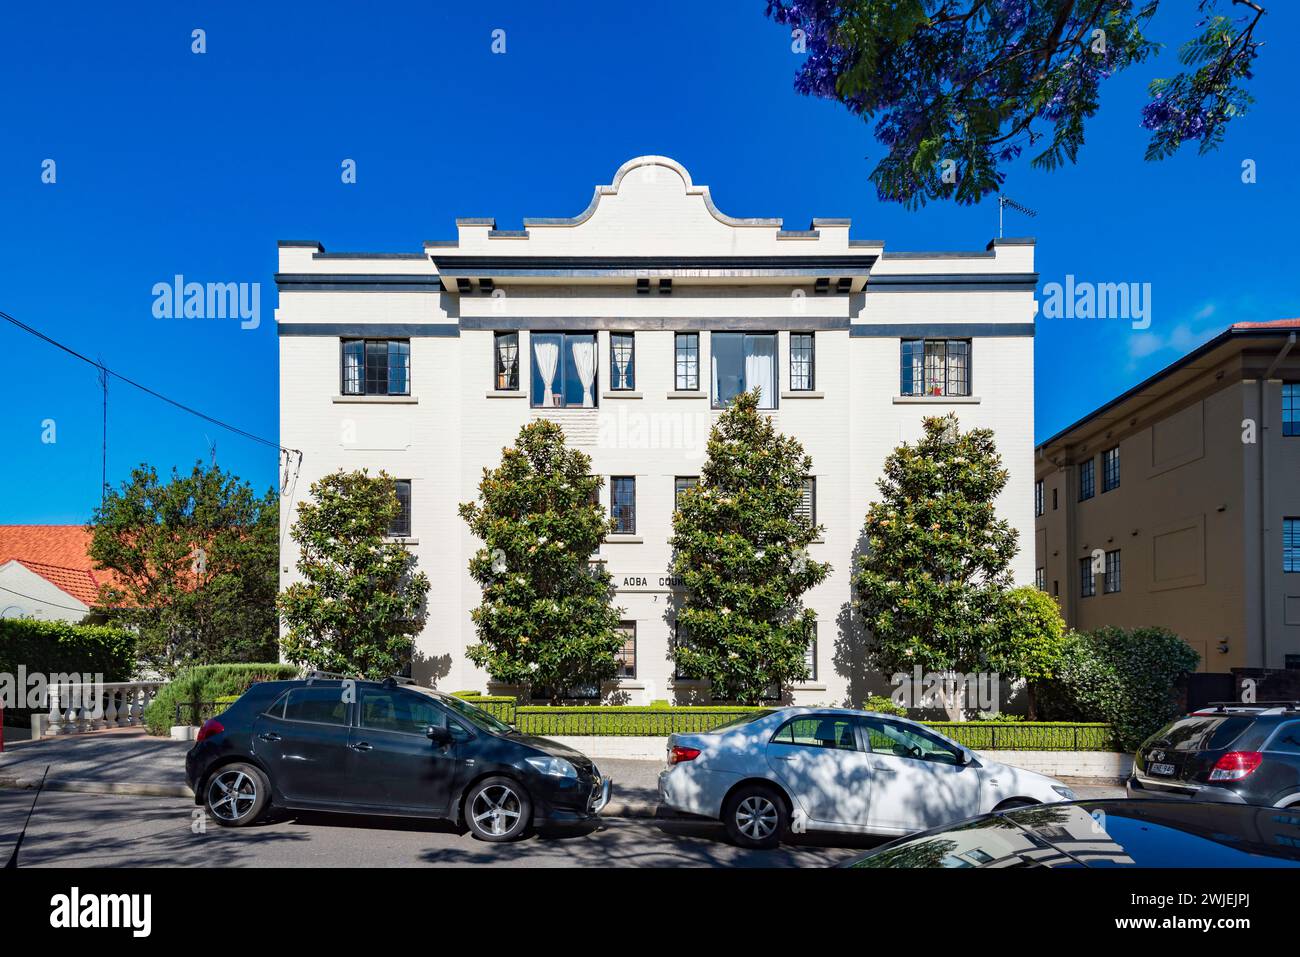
column 383, row 747
column 1229, row 753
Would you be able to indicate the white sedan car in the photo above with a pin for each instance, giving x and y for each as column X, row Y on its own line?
column 831, row 769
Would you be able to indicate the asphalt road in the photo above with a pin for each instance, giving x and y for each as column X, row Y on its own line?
column 90, row 830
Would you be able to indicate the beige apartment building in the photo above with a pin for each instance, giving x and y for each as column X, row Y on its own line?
column 1178, row 503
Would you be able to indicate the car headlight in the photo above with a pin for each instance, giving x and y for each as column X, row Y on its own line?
column 1065, row 792
column 555, row 767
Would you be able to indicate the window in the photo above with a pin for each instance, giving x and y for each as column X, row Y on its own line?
column 376, row 367
column 686, row 347
column 564, row 369
column 1087, row 480
column 391, row 709
column 401, row 526
column 741, row 362
column 507, row 361
column 1111, row 581
column 819, row 731
column 1040, row 579
column 681, row 639
column 622, row 361
column 622, row 503
column 810, row 654
column 1038, row 498
column 1291, row 408
column 626, row 656
column 885, row 737
column 1087, row 587
column 807, row 508
column 1054, row 501
column 1291, row 544
column 1286, row 738
column 1110, row 469
column 680, row 485
column 1056, row 587
column 802, row 378
column 935, row 367
column 318, row 705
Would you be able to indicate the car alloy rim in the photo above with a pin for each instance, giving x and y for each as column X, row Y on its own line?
column 231, row 795
column 756, row 817
column 496, row 809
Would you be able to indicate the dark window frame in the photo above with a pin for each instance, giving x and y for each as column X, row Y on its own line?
column 561, row 381
column 1291, row 409
column 511, row 377
column 1291, row 545
column 615, row 379
column 1040, row 578
column 907, row 384
column 393, row 349
column 1087, row 580
column 619, row 655
column 1113, row 577
column 282, row 703
column 803, row 348
column 809, row 489
column 626, row 507
column 1110, row 471
column 685, row 379
column 403, row 517
column 1087, row 479
column 1038, row 499
column 397, row 693
column 680, row 484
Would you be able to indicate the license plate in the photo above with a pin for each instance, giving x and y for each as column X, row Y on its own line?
column 1165, row 769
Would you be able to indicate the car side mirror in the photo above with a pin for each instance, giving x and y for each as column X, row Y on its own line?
column 439, row 733
column 963, row 757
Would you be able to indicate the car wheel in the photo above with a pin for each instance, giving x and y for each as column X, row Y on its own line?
column 498, row 809
column 755, row 817
column 237, row 795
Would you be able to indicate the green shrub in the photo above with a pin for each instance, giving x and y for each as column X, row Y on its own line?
column 883, row 705
column 53, row 648
column 501, row 707
column 202, row 685
column 1000, row 716
column 1028, row 735
column 623, row 721
column 1127, row 677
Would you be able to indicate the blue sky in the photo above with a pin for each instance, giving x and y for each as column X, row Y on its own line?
column 170, row 162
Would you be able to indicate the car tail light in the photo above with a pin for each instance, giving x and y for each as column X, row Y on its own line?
column 1235, row 765
column 210, row 728
column 679, row 754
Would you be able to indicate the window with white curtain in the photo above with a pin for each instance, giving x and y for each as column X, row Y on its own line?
column 686, row 349
column 376, row 367
column 801, row 362
column 935, row 367
column 622, row 361
column 742, row 362
column 564, row 369
column 507, row 361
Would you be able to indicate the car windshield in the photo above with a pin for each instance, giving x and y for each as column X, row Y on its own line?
column 476, row 716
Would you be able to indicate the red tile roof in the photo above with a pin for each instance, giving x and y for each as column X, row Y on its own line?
column 1270, row 324
column 59, row 554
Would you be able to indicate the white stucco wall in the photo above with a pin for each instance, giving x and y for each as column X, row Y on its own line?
column 25, row 594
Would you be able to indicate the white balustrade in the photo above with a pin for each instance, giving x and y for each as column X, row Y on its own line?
column 79, row 708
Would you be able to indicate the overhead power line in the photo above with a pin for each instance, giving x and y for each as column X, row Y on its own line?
column 105, row 370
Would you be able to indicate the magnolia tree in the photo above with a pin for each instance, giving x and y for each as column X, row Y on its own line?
column 958, row 89
column 933, row 584
column 361, row 601
column 546, row 621
column 741, row 547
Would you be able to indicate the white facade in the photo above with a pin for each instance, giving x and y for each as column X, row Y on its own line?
column 581, row 275
column 25, row 594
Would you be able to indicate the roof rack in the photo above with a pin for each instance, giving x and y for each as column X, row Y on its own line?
column 326, row 676
column 1291, row 705
column 399, row 680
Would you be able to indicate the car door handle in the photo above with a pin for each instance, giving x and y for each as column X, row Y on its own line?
column 268, row 736
column 362, row 746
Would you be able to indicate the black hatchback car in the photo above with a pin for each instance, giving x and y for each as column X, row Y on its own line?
column 1227, row 753
column 383, row 747
column 1111, row 833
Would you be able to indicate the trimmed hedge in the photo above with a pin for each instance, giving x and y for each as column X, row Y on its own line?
column 501, row 707
column 56, row 648
column 196, row 687
column 1028, row 735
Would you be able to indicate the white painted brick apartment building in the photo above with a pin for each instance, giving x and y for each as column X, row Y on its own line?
column 426, row 364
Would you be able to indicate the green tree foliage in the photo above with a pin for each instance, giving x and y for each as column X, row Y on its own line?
column 195, row 561
column 931, row 583
column 546, row 621
column 361, row 601
column 1127, row 677
column 740, row 546
column 1031, row 641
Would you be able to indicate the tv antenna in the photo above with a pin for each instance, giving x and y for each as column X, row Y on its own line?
column 1004, row 202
